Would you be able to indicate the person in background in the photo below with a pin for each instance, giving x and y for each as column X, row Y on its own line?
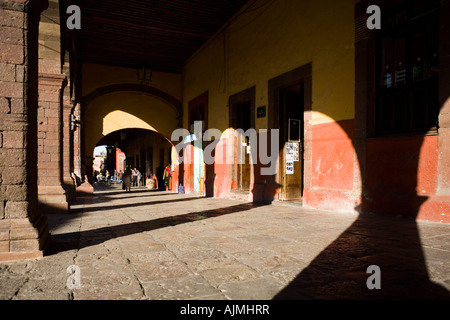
column 166, row 176
column 134, row 175
column 139, row 177
column 127, row 179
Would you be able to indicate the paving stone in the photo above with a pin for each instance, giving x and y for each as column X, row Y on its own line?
column 263, row 260
column 233, row 273
column 158, row 265
column 184, row 288
column 259, row 289
column 205, row 258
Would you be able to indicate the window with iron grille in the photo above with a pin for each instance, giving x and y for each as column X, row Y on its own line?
column 408, row 69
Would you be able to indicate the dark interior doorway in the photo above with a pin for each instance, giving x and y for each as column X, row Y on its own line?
column 243, row 121
column 291, row 126
column 242, row 117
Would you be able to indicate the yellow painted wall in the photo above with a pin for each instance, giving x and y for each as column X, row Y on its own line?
column 274, row 39
column 123, row 110
column 97, row 76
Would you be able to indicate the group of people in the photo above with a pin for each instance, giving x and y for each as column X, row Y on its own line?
column 133, row 178
column 105, row 176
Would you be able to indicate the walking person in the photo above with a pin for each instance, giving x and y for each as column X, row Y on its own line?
column 127, row 179
column 139, row 177
column 134, row 175
column 166, row 176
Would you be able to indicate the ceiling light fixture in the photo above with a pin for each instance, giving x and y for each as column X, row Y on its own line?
column 144, row 73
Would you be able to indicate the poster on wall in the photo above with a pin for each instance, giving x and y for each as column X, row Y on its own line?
column 292, row 151
column 289, row 167
column 295, row 149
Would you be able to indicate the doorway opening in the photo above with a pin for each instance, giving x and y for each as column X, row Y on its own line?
column 242, row 117
column 243, row 121
column 291, row 125
column 198, row 112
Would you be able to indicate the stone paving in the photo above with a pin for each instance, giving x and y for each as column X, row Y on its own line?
column 160, row 245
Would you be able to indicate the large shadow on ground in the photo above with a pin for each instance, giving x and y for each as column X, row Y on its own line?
column 389, row 240
column 340, row 271
column 83, row 239
column 132, row 205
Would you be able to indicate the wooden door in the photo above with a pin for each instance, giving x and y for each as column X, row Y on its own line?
column 243, row 119
column 291, row 142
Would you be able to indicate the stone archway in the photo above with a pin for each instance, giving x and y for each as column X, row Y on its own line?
column 120, row 106
column 174, row 103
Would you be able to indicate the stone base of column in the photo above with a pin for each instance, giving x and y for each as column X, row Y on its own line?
column 71, row 190
column 52, row 199
column 85, row 189
column 20, row 239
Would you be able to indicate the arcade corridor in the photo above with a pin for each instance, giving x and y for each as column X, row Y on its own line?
column 310, row 146
column 165, row 246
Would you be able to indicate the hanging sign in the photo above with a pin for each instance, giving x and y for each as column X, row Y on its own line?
column 294, row 130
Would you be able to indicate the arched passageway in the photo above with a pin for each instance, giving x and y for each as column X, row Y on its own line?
column 141, row 149
column 120, row 115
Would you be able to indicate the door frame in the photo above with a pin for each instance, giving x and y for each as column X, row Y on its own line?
column 233, row 101
column 284, row 178
column 303, row 75
column 197, row 167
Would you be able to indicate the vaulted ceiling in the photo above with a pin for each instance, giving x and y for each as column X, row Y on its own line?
column 162, row 33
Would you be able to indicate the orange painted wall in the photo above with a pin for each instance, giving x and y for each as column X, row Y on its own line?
column 402, row 164
column 333, row 155
column 333, row 168
column 401, row 178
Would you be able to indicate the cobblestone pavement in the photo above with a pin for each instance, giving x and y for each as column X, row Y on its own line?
column 164, row 246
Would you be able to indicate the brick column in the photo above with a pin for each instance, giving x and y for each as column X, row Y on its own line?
column 23, row 230
column 51, row 194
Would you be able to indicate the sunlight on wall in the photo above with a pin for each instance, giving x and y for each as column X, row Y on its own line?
column 118, row 120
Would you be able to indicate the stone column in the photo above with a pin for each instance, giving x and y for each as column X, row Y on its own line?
column 51, row 194
column 69, row 182
column 23, row 230
column 52, row 81
column 76, row 136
